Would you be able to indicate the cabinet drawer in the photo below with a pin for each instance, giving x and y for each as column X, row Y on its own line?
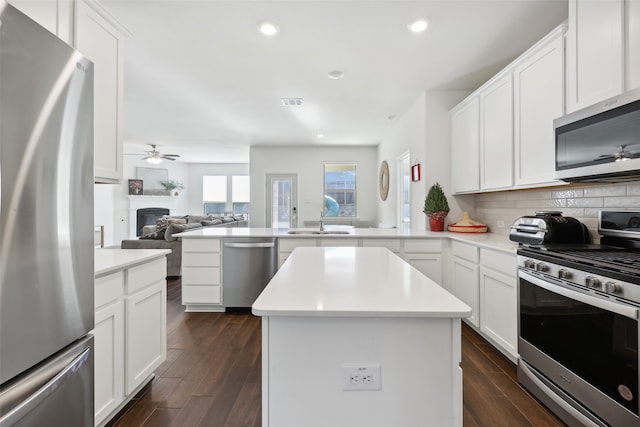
column 392, row 244
column 287, row 245
column 465, row 251
column 201, row 275
column 108, row 288
column 423, row 245
column 200, row 294
column 200, row 245
column 339, row 242
column 196, row 259
column 498, row 261
column 146, row 274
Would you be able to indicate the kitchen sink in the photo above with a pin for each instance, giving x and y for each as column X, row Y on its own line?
column 301, row 231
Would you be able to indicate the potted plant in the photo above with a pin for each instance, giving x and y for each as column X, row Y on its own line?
column 436, row 207
column 172, row 185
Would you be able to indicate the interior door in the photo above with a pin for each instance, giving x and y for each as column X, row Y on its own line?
column 282, row 201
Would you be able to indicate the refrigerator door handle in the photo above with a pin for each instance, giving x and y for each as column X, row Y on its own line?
column 31, row 402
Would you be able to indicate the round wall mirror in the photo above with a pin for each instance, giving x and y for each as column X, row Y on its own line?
column 383, row 184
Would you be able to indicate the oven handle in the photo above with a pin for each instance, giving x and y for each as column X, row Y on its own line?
column 618, row 308
column 556, row 399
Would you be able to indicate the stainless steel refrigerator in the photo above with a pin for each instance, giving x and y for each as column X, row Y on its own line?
column 46, row 227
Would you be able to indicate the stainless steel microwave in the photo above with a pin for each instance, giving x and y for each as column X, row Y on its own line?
column 600, row 143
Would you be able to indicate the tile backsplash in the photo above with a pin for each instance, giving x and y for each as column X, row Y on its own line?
column 499, row 210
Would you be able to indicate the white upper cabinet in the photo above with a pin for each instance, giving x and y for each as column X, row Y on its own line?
column 538, row 100
column 465, row 145
column 633, row 44
column 509, row 123
column 99, row 37
column 595, row 51
column 496, row 134
column 54, row 15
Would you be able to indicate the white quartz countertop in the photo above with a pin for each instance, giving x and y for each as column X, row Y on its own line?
column 111, row 260
column 354, row 282
column 488, row 240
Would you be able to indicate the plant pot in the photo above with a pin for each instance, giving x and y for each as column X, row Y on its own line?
column 436, row 220
column 436, row 223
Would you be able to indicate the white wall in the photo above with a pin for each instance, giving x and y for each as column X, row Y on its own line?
column 423, row 130
column 308, row 164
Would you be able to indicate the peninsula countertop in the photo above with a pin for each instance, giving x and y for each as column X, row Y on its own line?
column 488, row 240
column 354, row 282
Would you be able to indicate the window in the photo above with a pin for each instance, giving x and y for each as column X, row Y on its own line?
column 340, row 189
column 214, row 195
column 404, row 181
column 240, row 191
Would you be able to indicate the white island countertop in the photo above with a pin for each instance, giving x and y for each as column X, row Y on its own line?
column 354, row 282
column 111, row 260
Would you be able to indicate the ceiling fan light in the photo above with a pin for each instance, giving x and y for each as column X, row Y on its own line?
column 154, row 160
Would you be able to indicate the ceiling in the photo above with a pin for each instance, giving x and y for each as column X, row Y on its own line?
column 202, row 82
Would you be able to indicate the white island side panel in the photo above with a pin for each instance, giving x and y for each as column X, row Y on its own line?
column 419, row 362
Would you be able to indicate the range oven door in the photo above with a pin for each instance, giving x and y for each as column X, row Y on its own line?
column 585, row 346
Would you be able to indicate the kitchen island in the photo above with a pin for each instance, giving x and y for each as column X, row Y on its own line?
column 355, row 336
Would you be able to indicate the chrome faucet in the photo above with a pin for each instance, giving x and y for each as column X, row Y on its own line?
column 321, row 221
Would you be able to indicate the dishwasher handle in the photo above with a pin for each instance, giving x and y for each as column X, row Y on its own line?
column 249, row 245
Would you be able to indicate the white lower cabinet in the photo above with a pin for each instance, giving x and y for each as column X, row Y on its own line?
column 129, row 333
column 286, row 246
column 465, row 286
column 499, row 300
column 146, row 343
column 109, row 359
column 486, row 280
column 201, row 275
column 426, row 256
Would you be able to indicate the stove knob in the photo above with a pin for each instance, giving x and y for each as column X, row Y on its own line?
column 529, row 263
column 564, row 274
column 542, row 267
column 592, row 282
column 613, row 288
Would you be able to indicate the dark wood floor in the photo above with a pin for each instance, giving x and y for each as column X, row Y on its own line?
column 212, row 377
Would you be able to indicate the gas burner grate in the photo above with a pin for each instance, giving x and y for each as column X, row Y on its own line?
column 625, row 258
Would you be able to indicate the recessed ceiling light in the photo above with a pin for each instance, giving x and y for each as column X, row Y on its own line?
column 268, row 28
column 335, row 75
column 320, row 135
column 419, row 25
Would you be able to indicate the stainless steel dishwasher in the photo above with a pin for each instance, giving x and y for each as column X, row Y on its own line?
column 248, row 263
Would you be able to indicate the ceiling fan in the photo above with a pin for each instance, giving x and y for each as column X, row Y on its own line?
column 621, row 155
column 155, row 157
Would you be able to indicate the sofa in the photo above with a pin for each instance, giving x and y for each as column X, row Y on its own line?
column 161, row 235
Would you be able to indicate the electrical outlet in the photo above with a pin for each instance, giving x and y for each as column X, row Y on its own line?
column 361, row 376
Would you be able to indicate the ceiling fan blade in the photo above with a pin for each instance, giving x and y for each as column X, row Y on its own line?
column 170, row 155
column 147, row 157
column 168, row 158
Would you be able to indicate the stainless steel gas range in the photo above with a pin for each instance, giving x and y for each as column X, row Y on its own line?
column 579, row 308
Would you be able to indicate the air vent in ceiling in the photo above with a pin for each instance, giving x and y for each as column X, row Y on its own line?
column 291, row 102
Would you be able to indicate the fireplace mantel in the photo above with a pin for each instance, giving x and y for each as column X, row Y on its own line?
column 140, row 202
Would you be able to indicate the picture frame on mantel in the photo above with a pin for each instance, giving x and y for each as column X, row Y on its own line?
column 136, row 187
column 152, row 177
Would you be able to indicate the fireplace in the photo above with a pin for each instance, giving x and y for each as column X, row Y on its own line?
column 148, row 216
column 142, row 202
